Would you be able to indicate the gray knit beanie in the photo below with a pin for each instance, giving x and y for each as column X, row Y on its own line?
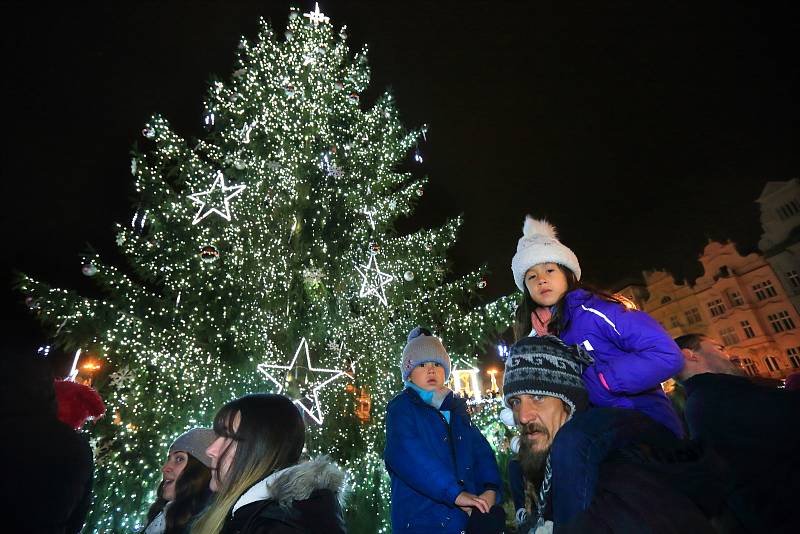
column 195, row 442
column 423, row 347
column 545, row 365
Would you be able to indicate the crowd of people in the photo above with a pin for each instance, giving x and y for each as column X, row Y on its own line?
column 602, row 448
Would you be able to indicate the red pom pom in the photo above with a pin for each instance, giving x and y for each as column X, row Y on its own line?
column 77, row 403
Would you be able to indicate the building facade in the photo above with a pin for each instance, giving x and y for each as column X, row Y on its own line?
column 780, row 241
column 740, row 301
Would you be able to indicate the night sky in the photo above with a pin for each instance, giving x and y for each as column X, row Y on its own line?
column 640, row 131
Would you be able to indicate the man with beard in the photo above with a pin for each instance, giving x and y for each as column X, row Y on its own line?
column 752, row 427
column 599, row 469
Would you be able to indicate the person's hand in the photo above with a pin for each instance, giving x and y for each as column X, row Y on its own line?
column 467, row 501
column 490, row 496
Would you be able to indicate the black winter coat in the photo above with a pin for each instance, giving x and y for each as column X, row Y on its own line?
column 303, row 499
column 46, row 480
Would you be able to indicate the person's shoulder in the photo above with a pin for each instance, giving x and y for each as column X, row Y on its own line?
column 400, row 401
column 587, row 301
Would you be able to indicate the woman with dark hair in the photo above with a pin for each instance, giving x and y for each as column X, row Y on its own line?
column 184, row 489
column 260, row 483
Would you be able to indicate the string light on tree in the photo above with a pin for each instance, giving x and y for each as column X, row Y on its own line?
column 212, row 205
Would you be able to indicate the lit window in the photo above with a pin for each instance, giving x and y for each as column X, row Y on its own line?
column 794, row 357
column 748, row 329
column 728, row 336
column 772, row 363
column 764, row 290
column 716, row 307
column 693, row 316
column 794, row 278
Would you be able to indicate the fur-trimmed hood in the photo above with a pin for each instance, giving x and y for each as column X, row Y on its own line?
column 297, row 483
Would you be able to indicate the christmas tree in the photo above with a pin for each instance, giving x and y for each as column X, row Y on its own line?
column 264, row 257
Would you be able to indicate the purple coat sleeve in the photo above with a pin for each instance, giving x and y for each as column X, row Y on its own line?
column 645, row 354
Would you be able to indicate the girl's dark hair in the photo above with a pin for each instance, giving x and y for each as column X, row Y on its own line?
column 191, row 495
column 522, row 316
column 270, row 437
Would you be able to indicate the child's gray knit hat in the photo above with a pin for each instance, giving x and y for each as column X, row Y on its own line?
column 423, row 347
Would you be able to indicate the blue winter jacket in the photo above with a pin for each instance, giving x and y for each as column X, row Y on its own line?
column 631, row 351
column 430, row 462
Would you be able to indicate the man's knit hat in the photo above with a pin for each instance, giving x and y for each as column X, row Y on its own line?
column 423, row 347
column 195, row 442
column 544, row 365
column 539, row 244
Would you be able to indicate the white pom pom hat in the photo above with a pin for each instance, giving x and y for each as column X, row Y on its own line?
column 539, row 244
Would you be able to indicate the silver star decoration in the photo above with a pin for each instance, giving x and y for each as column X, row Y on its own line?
column 121, row 378
column 373, row 280
column 310, row 402
column 229, row 192
column 316, row 16
column 308, row 59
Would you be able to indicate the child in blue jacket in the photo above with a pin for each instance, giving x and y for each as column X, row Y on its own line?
column 443, row 471
column 632, row 353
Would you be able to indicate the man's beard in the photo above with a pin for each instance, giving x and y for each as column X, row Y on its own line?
column 532, row 461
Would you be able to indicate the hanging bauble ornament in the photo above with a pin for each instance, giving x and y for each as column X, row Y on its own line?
column 292, row 15
column 31, row 303
column 375, row 248
column 289, row 35
column 208, row 120
column 242, row 44
column 338, row 85
column 238, row 73
column 420, row 192
column 289, row 89
column 209, row 254
column 482, row 283
column 352, row 98
column 234, row 97
column 149, row 133
column 88, row 269
column 408, row 276
column 239, row 164
column 507, row 417
column 515, row 444
column 350, row 388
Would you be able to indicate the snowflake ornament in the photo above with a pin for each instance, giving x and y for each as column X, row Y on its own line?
column 121, row 378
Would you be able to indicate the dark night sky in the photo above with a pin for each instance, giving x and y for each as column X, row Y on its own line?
column 641, row 131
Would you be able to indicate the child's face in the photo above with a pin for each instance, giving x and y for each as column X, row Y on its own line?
column 546, row 283
column 428, row 376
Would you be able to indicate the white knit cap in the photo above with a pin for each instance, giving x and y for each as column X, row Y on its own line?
column 539, row 244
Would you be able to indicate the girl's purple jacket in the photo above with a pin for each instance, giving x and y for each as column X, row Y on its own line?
column 631, row 351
